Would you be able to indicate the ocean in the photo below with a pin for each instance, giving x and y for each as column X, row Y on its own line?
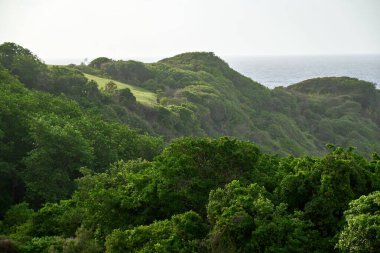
column 273, row 71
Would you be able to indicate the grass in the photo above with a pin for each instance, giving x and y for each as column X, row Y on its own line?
column 142, row 96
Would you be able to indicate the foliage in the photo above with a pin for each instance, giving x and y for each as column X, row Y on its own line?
column 44, row 140
column 182, row 233
column 123, row 196
column 243, row 219
column 15, row 216
column 141, row 95
column 296, row 120
column 23, row 64
column 198, row 94
column 190, row 168
column 142, row 206
column 362, row 230
column 74, row 178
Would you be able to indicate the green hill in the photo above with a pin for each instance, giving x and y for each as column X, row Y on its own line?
column 218, row 101
column 198, row 94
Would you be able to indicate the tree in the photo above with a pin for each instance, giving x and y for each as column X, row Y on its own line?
column 191, row 167
column 60, row 150
column 361, row 234
column 98, row 62
column 123, row 196
column 110, row 87
column 23, row 64
column 126, row 97
column 182, row 233
column 244, row 219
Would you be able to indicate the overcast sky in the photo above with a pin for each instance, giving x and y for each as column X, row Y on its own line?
column 156, row 28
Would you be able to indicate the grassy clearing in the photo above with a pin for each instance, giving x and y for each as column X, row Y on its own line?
column 143, row 96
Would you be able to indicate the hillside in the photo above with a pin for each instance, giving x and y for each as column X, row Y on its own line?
column 198, row 94
column 143, row 96
column 298, row 119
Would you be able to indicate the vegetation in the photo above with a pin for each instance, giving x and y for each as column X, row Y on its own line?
column 143, row 96
column 361, row 233
column 84, row 169
column 200, row 95
column 45, row 140
column 260, row 203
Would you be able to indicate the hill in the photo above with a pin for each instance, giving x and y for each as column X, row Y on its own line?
column 198, row 94
column 298, row 119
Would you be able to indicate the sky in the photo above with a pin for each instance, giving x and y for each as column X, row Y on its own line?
column 152, row 29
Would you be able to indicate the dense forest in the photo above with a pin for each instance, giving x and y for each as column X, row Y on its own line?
column 183, row 155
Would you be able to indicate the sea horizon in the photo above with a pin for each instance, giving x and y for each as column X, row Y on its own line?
column 285, row 70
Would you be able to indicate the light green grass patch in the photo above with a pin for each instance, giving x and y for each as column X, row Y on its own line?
column 143, row 96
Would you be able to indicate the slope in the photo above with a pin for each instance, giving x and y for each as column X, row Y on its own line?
column 219, row 101
column 142, row 95
column 198, row 94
